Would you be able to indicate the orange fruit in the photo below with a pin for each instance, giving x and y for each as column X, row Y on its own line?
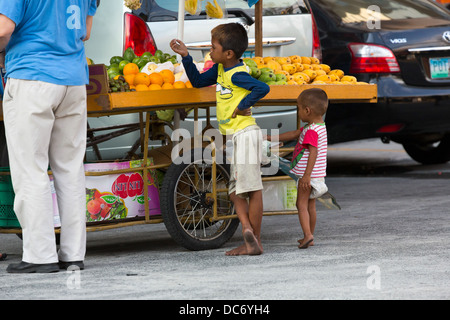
column 129, row 78
column 179, row 85
column 188, row 84
column 154, row 86
column 156, row 78
column 130, row 68
column 167, row 85
column 142, row 78
column 167, row 75
column 141, row 87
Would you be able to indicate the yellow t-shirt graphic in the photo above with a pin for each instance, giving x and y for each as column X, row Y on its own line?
column 228, row 97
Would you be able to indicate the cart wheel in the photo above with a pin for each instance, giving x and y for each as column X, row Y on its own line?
column 187, row 207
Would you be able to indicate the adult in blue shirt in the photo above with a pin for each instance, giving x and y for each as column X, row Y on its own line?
column 44, row 111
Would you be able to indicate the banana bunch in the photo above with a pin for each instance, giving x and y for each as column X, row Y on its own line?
column 190, row 6
column 132, row 4
column 214, row 11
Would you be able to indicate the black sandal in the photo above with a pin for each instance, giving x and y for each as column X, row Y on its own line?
column 3, row 256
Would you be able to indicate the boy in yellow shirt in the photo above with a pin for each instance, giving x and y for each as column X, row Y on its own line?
column 236, row 93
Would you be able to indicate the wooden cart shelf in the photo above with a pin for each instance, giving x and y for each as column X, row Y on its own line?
column 128, row 102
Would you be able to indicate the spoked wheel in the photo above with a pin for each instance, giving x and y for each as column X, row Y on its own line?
column 187, row 205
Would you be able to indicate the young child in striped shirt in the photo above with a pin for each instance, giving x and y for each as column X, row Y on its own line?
column 309, row 159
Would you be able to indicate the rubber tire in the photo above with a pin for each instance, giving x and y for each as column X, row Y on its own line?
column 427, row 153
column 170, row 218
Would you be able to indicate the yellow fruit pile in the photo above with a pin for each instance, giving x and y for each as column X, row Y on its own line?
column 140, row 81
column 304, row 70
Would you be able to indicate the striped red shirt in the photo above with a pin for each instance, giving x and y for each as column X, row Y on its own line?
column 314, row 134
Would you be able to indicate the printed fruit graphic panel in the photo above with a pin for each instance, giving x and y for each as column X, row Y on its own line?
column 104, row 206
column 119, row 196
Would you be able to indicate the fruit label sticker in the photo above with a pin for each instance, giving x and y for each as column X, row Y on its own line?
column 119, row 196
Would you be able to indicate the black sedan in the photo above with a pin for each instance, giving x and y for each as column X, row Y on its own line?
column 403, row 46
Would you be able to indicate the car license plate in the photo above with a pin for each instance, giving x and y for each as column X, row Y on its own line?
column 440, row 68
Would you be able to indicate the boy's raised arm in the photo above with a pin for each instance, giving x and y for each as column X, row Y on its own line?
column 179, row 47
column 198, row 79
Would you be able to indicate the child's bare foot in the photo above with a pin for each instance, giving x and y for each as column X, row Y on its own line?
column 251, row 243
column 241, row 250
column 306, row 242
column 250, row 247
column 301, row 240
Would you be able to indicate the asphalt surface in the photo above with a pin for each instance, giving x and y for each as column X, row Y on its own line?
column 389, row 241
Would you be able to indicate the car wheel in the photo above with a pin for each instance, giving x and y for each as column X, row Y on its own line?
column 430, row 153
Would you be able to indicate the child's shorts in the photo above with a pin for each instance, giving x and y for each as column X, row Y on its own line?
column 245, row 168
column 318, row 187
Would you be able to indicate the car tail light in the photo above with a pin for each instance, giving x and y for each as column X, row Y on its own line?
column 372, row 58
column 316, row 49
column 138, row 35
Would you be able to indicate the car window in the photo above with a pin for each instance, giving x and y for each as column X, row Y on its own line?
column 359, row 11
column 167, row 10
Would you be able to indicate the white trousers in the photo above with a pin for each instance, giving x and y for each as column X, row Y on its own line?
column 45, row 124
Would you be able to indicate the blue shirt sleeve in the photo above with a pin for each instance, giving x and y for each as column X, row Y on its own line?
column 92, row 8
column 258, row 89
column 197, row 79
column 13, row 9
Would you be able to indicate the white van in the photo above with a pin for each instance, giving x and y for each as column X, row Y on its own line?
column 288, row 29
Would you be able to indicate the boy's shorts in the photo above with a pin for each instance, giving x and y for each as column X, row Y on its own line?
column 318, row 187
column 245, row 169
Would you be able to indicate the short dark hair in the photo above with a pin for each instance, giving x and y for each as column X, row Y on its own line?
column 314, row 98
column 231, row 36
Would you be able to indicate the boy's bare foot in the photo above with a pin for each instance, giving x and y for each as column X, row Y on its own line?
column 250, row 247
column 241, row 250
column 301, row 240
column 251, row 243
column 306, row 243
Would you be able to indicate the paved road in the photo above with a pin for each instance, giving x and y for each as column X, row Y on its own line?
column 390, row 241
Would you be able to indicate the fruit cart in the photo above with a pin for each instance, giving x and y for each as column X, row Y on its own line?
column 193, row 196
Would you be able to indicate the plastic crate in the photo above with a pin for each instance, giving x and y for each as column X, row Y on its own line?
column 8, row 218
